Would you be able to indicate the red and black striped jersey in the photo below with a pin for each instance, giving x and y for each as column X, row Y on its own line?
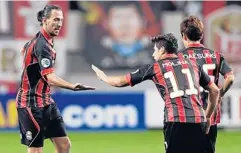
column 213, row 63
column 177, row 81
column 39, row 57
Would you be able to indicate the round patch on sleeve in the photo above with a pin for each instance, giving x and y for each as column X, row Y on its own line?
column 45, row 62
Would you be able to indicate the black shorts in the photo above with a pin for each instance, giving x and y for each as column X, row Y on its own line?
column 37, row 124
column 211, row 139
column 184, row 137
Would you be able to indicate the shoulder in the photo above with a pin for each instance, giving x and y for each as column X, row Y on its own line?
column 40, row 41
column 210, row 51
column 182, row 51
column 215, row 54
column 148, row 66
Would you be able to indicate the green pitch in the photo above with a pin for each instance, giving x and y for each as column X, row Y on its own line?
column 118, row 142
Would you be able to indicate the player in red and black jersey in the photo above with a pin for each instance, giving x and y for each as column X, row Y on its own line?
column 177, row 81
column 39, row 116
column 212, row 62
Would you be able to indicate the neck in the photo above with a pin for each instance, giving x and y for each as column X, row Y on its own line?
column 191, row 42
column 166, row 55
column 47, row 36
column 46, row 31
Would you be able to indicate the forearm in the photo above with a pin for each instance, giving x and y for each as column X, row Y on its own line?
column 212, row 102
column 211, row 105
column 58, row 82
column 116, row 81
column 228, row 82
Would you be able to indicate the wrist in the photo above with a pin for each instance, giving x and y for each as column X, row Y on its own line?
column 208, row 115
column 71, row 86
column 208, row 119
column 105, row 79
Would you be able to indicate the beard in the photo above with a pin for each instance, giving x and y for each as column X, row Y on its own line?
column 53, row 34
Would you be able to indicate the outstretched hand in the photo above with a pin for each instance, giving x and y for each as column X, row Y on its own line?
column 101, row 75
column 79, row 87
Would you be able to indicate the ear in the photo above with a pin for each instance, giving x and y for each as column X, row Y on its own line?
column 162, row 50
column 201, row 37
column 184, row 37
column 44, row 20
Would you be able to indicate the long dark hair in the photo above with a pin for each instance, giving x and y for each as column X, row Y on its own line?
column 46, row 12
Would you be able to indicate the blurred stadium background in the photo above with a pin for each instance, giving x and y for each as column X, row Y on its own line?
column 114, row 36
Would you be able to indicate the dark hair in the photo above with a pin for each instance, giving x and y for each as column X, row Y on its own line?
column 192, row 27
column 46, row 12
column 168, row 41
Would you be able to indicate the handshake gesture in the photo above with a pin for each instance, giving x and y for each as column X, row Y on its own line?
column 101, row 75
column 78, row 87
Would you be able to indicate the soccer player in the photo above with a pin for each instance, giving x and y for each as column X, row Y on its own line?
column 177, row 80
column 39, row 116
column 212, row 62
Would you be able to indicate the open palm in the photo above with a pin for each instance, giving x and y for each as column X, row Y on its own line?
column 101, row 75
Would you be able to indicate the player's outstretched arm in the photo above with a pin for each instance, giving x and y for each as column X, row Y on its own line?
column 116, row 81
column 57, row 81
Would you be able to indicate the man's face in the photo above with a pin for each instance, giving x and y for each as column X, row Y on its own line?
column 125, row 24
column 157, row 53
column 54, row 22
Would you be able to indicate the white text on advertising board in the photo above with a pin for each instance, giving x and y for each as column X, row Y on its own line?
column 96, row 116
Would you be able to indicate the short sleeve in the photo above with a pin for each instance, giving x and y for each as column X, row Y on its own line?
column 225, row 69
column 44, row 58
column 144, row 73
column 23, row 50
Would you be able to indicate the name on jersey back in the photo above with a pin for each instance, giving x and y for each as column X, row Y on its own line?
column 199, row 56
column 174, row 63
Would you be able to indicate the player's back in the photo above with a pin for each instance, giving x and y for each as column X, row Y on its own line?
column 213, row 63
column 207, row 58
column 178, row 83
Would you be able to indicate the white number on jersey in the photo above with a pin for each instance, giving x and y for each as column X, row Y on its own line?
column 177, row 92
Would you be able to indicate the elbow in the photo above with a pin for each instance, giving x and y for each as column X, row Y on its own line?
column 50, row 78
column 215, row 91
column 230, row 78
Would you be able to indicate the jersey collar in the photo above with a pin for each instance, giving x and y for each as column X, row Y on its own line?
column 47, row 36
column 196, row 45
column 169, row 56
